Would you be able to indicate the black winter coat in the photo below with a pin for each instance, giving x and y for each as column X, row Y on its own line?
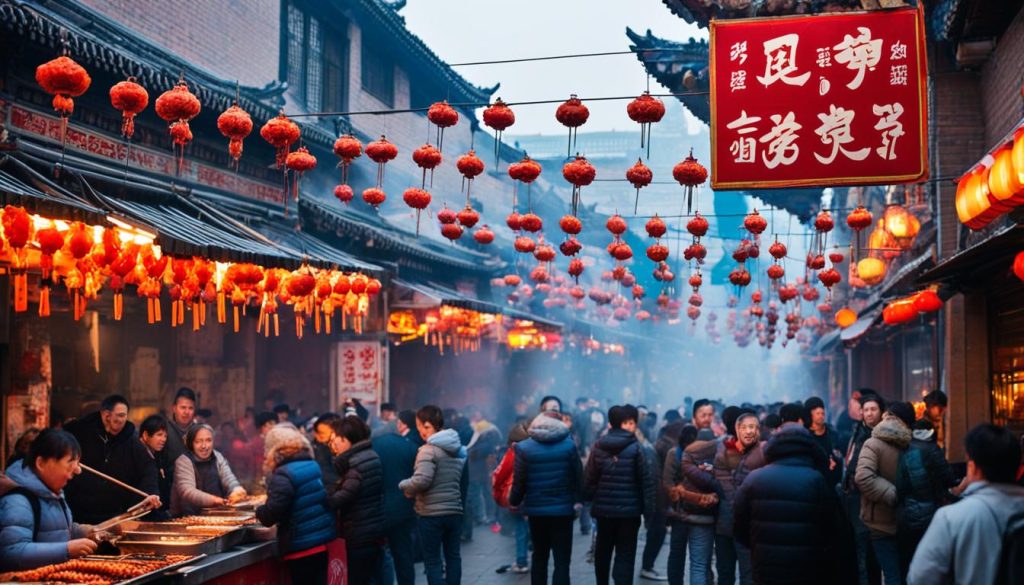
column 398, row 457
column 787, row 514
column 358, row 497
column 325, row 459
column 122, row 456
column 618, row 480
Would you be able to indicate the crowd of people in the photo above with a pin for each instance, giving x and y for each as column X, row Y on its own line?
column 762, row 494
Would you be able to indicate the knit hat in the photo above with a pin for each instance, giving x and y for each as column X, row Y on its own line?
column 791, row 412
column 284, row 440
column 903, row 411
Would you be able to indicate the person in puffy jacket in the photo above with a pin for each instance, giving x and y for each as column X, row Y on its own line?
column 297, row 503
column 620, row 487
column 877, row 478
column 786, row 512
column 546, row 488
column 436, row 484
column 926, row 480
column 358, row 498
column 398, row 451
column 28, row 541
column 691, row 513
column 501, row 490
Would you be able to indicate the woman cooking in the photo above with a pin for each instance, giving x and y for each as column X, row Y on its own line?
column 202, row 476
column 37, row 528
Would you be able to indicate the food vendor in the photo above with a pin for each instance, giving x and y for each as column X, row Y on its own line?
column 37, row 528
column 202, row 476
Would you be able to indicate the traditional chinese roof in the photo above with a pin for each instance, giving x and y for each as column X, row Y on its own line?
column 99, row 42
column 700, row 12
column 23, row 186
column 680, row 67
column 966, row 20
column 383, row 18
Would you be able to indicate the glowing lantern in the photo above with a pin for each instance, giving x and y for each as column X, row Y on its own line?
column 130, row 98
column 1017, row 154
column 881, row 242
column 1018, row 265
column 177, row 106
column 899, row 311
column 973, row 204
column 927, row 301
column 871, row 270
column 859, row 219
column 901, row 225
column 235, row 124
column 64, row 79
column 1005, row 182
column 845, row 318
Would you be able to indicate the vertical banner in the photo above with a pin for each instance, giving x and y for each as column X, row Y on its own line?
column 834, row 99
column 358, row 372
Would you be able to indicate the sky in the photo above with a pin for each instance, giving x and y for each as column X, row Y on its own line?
column 484, row 30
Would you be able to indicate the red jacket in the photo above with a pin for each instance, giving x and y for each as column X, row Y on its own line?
column 501, row 481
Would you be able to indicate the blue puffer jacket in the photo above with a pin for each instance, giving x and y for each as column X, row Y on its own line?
column 618, row 478
column 296, row 500
column 17, row 551
column 547, row 471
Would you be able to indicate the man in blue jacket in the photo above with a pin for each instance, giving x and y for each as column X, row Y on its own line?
column 545, row 487
column 398, row 454
column 619, row 484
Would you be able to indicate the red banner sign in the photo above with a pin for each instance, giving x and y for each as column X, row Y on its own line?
column 835, row 99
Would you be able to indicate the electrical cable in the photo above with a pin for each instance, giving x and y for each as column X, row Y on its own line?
column 570, row 56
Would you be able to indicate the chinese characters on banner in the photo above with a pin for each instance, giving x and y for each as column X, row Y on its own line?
column 824, row 100
column 359, row 371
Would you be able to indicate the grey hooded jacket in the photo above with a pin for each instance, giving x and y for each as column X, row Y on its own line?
column 436, row 481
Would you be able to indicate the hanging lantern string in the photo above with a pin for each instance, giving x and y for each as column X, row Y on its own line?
column 484, row 104
column 570, row 56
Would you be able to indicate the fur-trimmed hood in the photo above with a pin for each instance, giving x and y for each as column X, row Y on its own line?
column 284, row 443
column 892, row 430
column 545, row 429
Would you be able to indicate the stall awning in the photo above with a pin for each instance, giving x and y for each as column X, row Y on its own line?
column 827, row 342
column 972, row 267
column 21, row 185
column 852, row 334
column 425, row 295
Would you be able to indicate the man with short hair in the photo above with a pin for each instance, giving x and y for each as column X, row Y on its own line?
column 398, row 454
column 322, row 434
column 935, row 403
column 848, row 419
column 388, row 412
column 109, row 445
column 283, row 412
column 436, row 483
column 962, row 541
column 703, row 414
column 620, row 487
column 183, row 414
column 825, row 436
column 792, row 412
column 153, row 434
column 871, row 407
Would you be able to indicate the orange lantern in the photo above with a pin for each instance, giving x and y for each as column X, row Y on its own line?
column 901, row 225
column 1017, row 154
column 1018, row 265
column 927, row 301
column 1006, row 183
column 881, row 243
column 845, row 317
column 871, row 270
column 899, row 311
column 973, row 206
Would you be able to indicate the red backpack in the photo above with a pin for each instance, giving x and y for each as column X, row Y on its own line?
column 501, row 481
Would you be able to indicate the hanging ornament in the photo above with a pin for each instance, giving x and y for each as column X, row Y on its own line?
column 374, row 197
column 531, row 223
column 452, row 231
column 656, row 227
column 645, row 110
column 427, row 158
column 299, row 163
column 697, row 226
column 755, row 223
column 381, row 151
column 524, row 245
column 344, row 193
column 570, row 247
column 823, row 224
column 18, row 231
column 468, row 217
column 690, row 174
column 776, row 271
column 525, row 171
column 572, row 114
column 130, row 98
column 580, row 173
column 640, row 176
column 470, row 166
column 836, row 257
column 620, row 250
column 739, row 277
column 570, row 224
column 50, row 241
column 616, row 225
column 499, row 117
column 64, row 79
column 514, row 221
column 235, row 124
column 418, row 199
column 777, row 250
column 544, row 253
column 657, row 252
column 576, row 269
column 859, row 219
column 443, row 116
column 347, row 148
column 696, row 280
column 177, row 106
column 484, row 235
column 695, row 251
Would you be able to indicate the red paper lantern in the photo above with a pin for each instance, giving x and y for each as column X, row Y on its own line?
column 344, row 193
column 525, row 171
column 695, row 251
column 823, row 223
column 696, row 281
column 470, row 165
column 689, row 174
column 836, row 257
column 845, row 318
column 645, row 109
column 777, row 250
column 131, row 98
column 443, row 116
column 579, row 172
column 447, row 216
column 468, row 217
column 638, row 292
column 499, row 116
column 830, row 277
column 570, row 224
column 531, row 222
column 177, row 106
column 524, row 245
column 347, row 148
column 374, row 197
column 235, row 124
column 621, row 251
column 739, row 277
column 570, row 247
column 512, row 280
column 279, row 132
column 755, row 223
column 899, row 311
column 657, row 252
column 656, row 227
column 299, row 162
column 484, row 235
column 697, row 226
column 544, row 253
column 1018, row 265
column 927, row 301
column 572, row 114
column 616, row 225
column 381, row 152
column 776, row 271
column 859, row 219
column 639, row 175
column 64, row 79
column 514, row 221
column 452, row 231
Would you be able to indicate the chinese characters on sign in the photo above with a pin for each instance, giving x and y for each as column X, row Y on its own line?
column 358, row 372
column 818, row 100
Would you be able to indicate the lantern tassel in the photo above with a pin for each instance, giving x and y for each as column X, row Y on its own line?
column 235, row 308
column 149, row 310
column 44, row 301
column 174, row 313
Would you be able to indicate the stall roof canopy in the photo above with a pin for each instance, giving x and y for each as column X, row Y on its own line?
column 432, row 294
column 972, row 267
column 853, row 333
column 22, row 185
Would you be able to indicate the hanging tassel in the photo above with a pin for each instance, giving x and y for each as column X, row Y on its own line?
column 44, row 301
column 235, row 308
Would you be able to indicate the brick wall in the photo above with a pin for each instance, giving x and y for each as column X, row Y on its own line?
column 1001, row 81
column 234, row 39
